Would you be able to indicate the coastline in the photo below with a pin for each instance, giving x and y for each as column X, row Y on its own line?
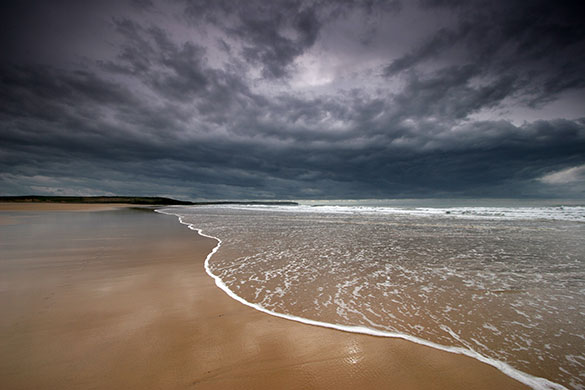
column 532, row 381
column 15, row 206
column 127, row 303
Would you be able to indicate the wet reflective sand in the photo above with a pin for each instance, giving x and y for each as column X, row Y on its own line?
column 119, row 299
column 506, row 285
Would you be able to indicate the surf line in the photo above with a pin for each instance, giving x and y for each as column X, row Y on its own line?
column 536, row 383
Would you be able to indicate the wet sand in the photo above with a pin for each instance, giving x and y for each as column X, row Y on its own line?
column 118, row 298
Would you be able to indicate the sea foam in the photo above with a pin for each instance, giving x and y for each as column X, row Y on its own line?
column 344, row 303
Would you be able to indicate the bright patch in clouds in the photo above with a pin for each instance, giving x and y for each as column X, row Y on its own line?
column 566, row 176
column 311, row 73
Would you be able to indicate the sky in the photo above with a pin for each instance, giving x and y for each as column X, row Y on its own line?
column 292, row 99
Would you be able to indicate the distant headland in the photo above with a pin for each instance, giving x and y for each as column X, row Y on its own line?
column 140, row 200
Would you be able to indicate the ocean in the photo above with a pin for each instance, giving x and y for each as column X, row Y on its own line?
column 500, row 281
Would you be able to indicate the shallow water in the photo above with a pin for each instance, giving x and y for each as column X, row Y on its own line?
column 505, row 283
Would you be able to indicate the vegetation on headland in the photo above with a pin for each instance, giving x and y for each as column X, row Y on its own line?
column 141, row 200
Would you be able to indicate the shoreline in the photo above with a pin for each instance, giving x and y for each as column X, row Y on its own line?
column 47, row 206
column 117, row 298
column 532, row 381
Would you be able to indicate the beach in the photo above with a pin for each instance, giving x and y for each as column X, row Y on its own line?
column 117, row 297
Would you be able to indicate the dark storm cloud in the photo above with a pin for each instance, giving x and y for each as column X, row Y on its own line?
column 274, row 51
column 275, row 33
column 262, row 27
column 539, row 43
column 176, row 72
column 198, row 100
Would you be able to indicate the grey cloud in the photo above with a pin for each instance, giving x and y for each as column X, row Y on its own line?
column 273, row 34
column 539, row 42
column 448, row 93
column 175, row 71
column 179, row 72
column 273, row 50
column 262, row 29
column 441, row 40
column 153, row 115
column 379, row 158
column 142, row 4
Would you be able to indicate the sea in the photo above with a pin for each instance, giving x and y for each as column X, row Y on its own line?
column 501, row 281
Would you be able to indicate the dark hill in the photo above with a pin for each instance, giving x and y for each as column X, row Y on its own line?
column 126, row 199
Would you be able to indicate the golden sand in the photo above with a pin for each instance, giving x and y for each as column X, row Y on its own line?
column 119, row 299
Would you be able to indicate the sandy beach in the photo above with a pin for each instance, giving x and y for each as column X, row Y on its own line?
column 106, row 297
